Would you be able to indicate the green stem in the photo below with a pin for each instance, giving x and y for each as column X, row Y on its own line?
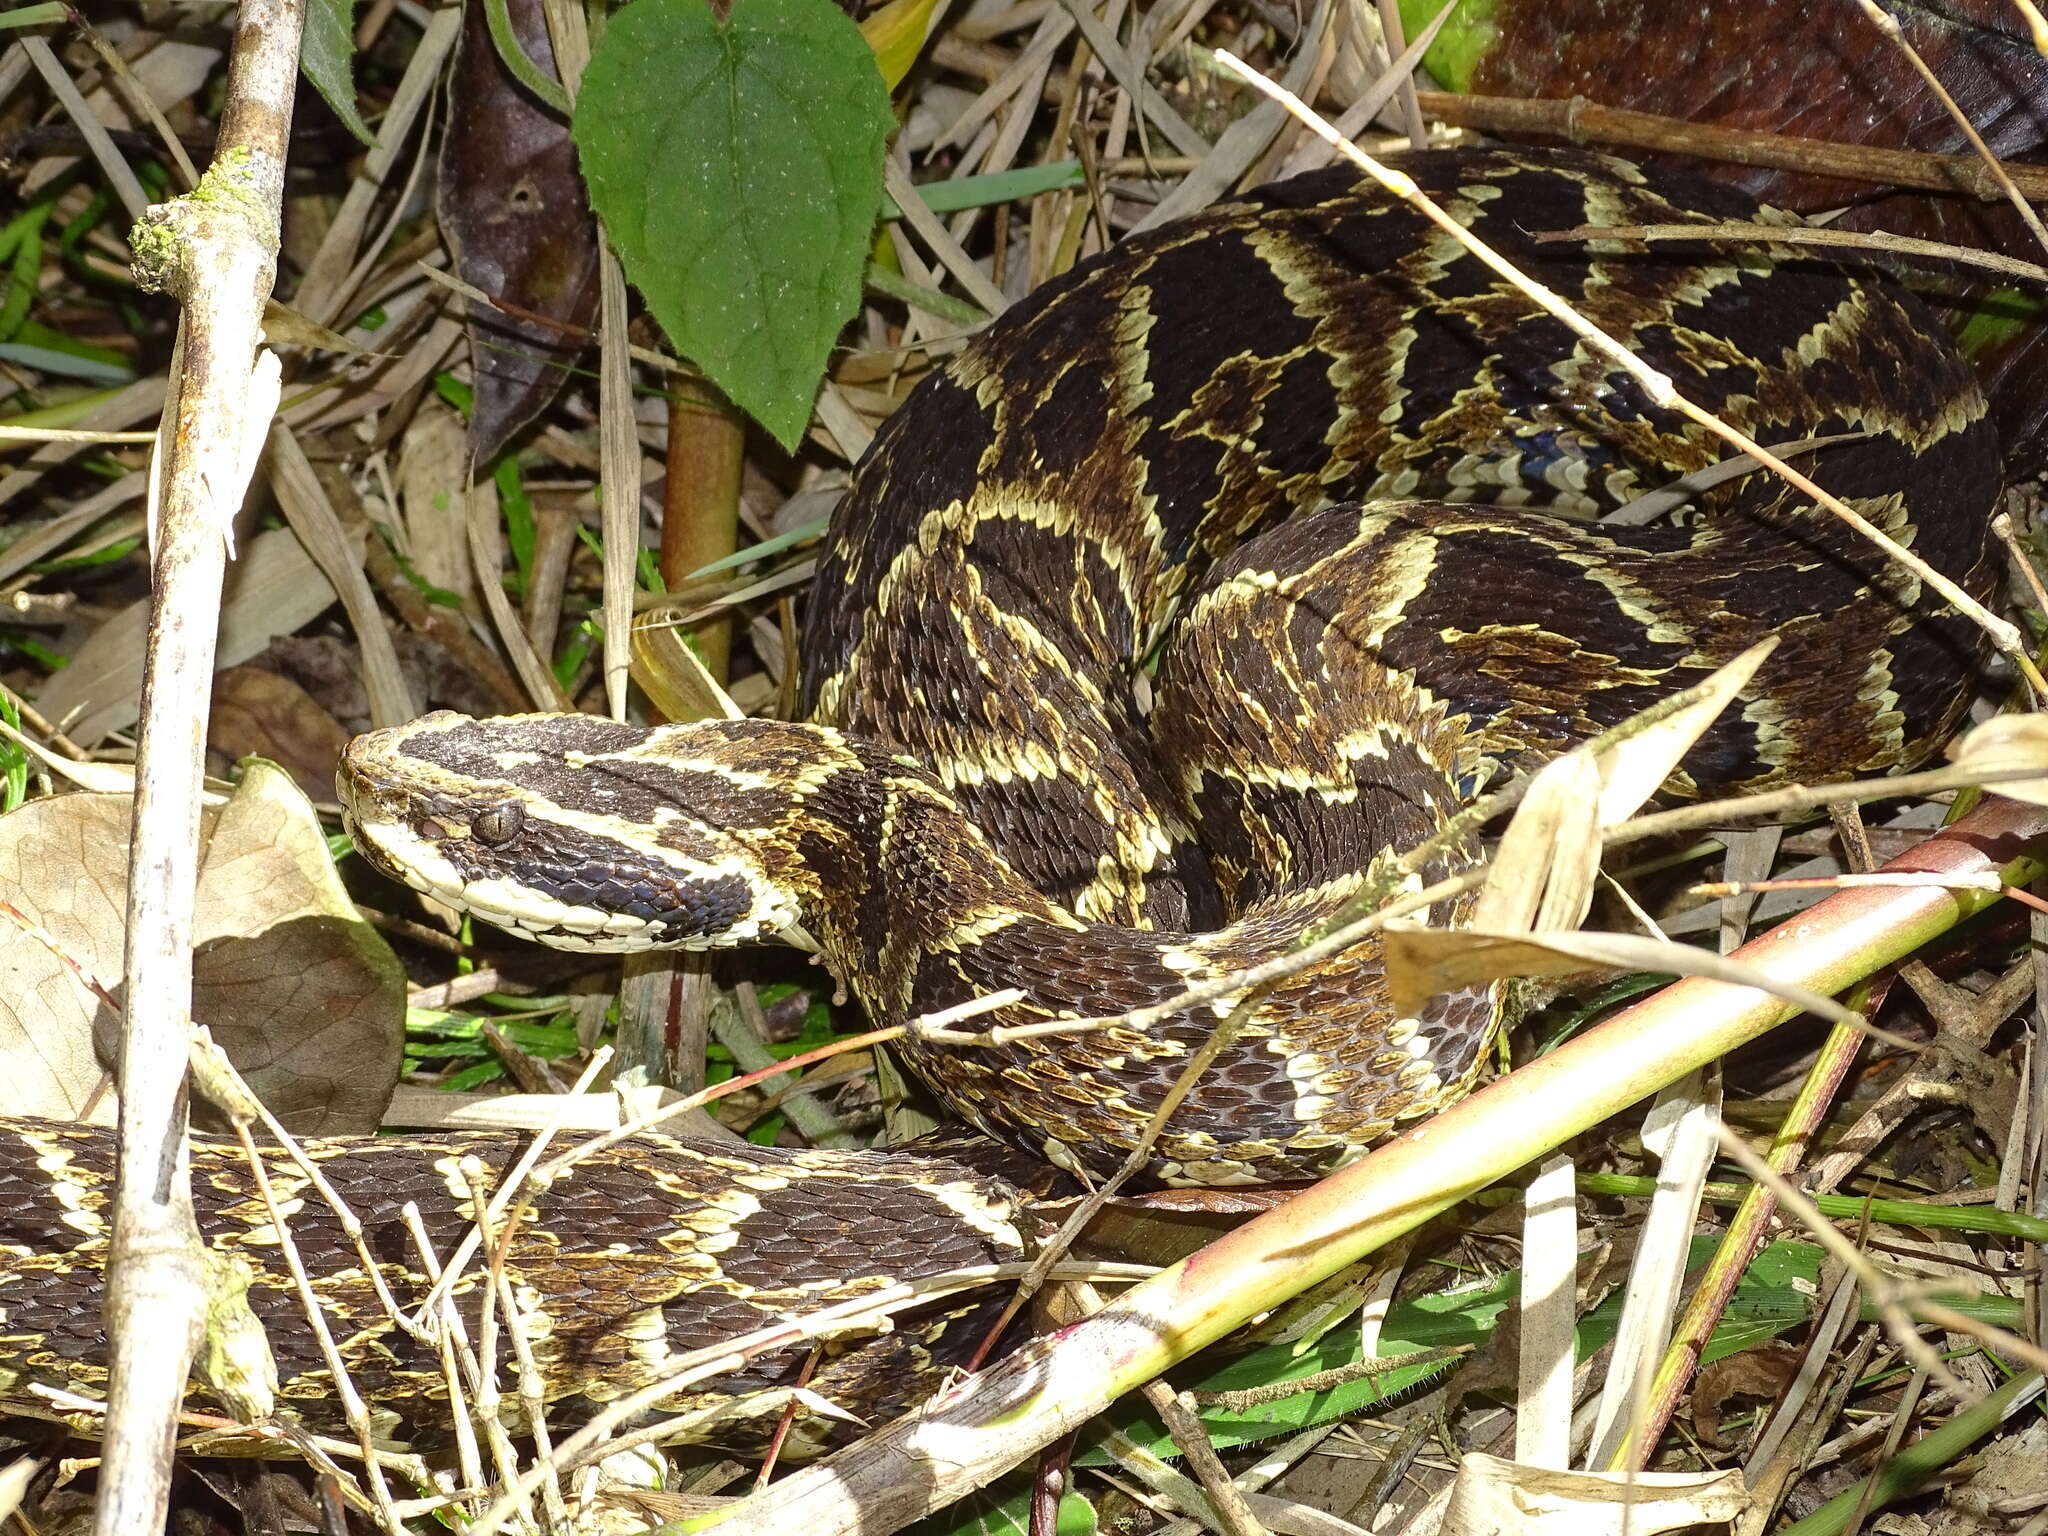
column 1891, row 1213
column 893, row 285
column 974, row 1433
column 1925, row 1457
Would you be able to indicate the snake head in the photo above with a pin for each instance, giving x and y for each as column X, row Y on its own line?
column 577, row 832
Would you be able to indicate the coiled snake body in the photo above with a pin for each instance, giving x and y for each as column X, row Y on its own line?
column 1364, row 477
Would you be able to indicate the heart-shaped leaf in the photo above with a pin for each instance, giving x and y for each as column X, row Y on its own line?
column 737, row 167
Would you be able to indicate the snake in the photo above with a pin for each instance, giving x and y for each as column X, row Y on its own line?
column 1154, row 630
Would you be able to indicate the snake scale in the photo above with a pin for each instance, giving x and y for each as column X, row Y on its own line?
column 1360, row 480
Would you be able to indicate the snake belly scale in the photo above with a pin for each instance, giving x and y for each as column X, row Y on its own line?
column 1359, row 479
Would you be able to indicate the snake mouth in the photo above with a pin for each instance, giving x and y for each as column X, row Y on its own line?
column 513, row 856
column 590, row 904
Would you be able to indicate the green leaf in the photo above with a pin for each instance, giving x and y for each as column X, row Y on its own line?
column 327, row 55
column 993, row 187
column 33, row 15
column 1004, row 1509
column 1473, row 29
column 13, row 761
column 737, row 167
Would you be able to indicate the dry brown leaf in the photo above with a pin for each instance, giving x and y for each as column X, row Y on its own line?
column 305, row 997
column 513, row 210
column 1761, row 1373
column 1544, row 874
column 258, row 713
column 1492, row 1495
column 2005, row 743
column 1422, row 962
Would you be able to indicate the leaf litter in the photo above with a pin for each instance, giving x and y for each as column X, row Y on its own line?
column 309, row 1001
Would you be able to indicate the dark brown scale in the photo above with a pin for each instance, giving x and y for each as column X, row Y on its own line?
column 1154, row 433
column 1203, row 382
column 632, row 1230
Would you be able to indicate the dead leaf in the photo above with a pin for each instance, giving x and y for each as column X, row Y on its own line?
column 1760, row 1373
column 1421, row 962
column 513, row 210
column 2003, row 744
column 1492, row 1495
column 304, row 996
column 257, row 713
column 1549, row 860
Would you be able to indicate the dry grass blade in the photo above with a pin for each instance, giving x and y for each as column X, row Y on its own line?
column 1130, row 74
column 1399, row 75
column 1549, row 1316
column 353, row 1408
column 600, row 1436
column 1900, row 1303
column 1411, row 107
column 90, row 128
column 961, row 1439
column 1794, row 234
column 1245, row 140
column 939, row 238
column 136, row 402
column 342, row 260
column 313, row 518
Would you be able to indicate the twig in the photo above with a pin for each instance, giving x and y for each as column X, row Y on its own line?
column 682, row 1371
column 2002, row 529
column 964, row 1437
column 215, row 250
column 1805, row 234
column 1714, row 813
column 1085, row 1210
column 1184, row 1424
column 1722, row 889
column 353, row 1409
column 511, row 1187
column 459, row 1364
column 487, row 1394
column 1655, row 385
column 70, row 435
column 634, row 1127
column 64, row 1404
column 1898, row 1302
column 1581, row 121
column 1890, row 28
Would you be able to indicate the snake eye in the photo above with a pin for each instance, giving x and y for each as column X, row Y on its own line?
column 496, row 825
